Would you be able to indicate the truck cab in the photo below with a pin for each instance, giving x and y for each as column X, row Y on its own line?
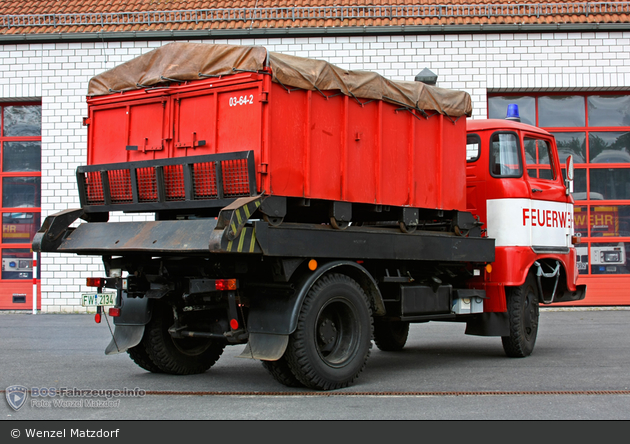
column 516, row 187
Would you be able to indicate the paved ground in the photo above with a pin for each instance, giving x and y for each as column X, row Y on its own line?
column 580, row 370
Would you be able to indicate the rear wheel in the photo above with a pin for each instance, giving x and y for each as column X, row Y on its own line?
column 177, row 356
column 139, row 355
column 391, row 335
column 523, row 313
column 331, row 344
column 282, row 373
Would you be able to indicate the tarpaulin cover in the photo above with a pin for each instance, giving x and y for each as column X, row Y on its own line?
column 191, row 61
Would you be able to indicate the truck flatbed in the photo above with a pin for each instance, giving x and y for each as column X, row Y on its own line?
column 202, row 237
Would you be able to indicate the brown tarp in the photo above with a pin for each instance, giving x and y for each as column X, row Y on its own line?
column 190, row 61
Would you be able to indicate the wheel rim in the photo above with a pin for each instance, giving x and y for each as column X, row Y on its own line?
column 530, row 312
column 192, row 346
column 337, row 332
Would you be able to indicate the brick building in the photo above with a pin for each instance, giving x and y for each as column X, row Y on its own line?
column 566, row 63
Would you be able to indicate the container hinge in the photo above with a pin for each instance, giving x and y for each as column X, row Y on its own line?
column 145, row 147
column 262, row 168
column 263, row 97
column 87, row 121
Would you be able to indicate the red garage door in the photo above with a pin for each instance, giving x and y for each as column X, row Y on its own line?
column 594, row 128
column 20, row 187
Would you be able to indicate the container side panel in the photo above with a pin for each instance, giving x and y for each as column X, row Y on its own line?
column 239, row 121
column 107, row 135
column 325, row 147
column 195, row 125
column 454, row 165
column 363, row 137
column 287, row 121
column 147, row 122
column 425, row 182
column 395, row 156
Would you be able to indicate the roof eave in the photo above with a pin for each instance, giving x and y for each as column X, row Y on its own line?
column 308, row 32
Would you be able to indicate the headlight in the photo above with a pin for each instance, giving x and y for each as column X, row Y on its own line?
column 612, row 256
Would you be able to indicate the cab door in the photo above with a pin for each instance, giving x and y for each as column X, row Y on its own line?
column 550, row 215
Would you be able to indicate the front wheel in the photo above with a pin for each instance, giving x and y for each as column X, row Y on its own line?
column 523, row 313
column 332, row 341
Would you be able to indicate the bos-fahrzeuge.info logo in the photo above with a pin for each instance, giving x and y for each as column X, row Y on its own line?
column 69, row 397
column 16, row 396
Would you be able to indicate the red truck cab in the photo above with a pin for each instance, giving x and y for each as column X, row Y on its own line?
column 515, row 185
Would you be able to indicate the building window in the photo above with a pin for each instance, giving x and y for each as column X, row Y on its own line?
column 595, row 129
column 20, row 186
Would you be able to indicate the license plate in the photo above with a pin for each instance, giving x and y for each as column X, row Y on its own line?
column 98, row 299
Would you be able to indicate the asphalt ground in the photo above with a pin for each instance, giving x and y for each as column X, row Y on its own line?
column 579, row 371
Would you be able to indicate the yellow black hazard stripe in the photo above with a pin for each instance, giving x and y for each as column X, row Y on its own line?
column 245, row 243
column 247, row 209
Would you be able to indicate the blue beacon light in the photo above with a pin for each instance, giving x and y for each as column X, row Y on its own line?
column 512, row 113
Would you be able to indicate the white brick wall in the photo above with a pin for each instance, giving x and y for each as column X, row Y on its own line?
column 59, row 73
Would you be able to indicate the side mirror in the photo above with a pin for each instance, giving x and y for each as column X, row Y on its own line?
column 570, row 175
column 570, row 172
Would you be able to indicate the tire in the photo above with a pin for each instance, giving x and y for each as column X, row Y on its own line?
column 391, row 335
column 523, row 313
column 185, row 356
column 282, row 373
column 332, row 341
column 139, row 355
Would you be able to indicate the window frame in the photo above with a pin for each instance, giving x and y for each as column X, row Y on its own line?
column 10, row 247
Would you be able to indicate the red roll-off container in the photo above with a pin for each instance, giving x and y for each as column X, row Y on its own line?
column 310, row 143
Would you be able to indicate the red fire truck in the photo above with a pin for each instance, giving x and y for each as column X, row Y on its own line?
column 305, row 210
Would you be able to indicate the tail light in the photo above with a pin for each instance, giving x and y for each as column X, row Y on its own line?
column 225, row 284
column 114, row 312
column 95, row 282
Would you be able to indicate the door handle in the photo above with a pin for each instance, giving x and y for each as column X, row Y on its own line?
column 536, row 190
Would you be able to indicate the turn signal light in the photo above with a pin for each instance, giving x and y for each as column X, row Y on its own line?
column 95, row 282
column 576, row 240
column 114, row 312
column 225, row 284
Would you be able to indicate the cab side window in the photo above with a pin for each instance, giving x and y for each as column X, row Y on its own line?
column 473, row 147
column 505, row 155
column 538, row 159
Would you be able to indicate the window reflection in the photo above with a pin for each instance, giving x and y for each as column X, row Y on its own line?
column 19, row 228
column 580, row 217
column 21, row 156
column 609, row 147
column 19, row 192
column 497, row 107
column 573, row 144
column 611, row 183
column 608, row 258
column 24, row 120
column 608, row 110
column 557, row 111
column 17, row 264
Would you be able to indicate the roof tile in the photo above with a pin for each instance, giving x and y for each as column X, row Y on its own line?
column 23, row 17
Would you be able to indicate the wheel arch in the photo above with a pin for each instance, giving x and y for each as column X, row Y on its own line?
column 351, row 269
column 280, row 315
